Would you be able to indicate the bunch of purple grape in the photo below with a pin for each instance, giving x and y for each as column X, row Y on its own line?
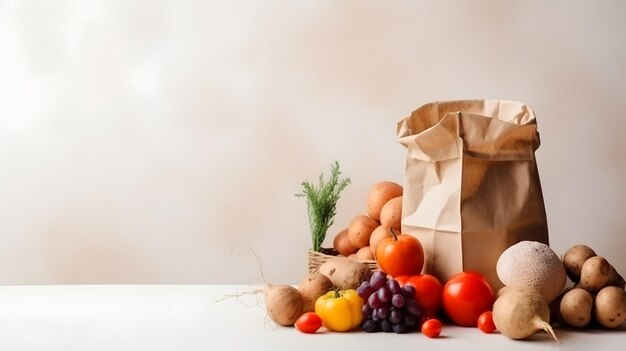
column 388, row 307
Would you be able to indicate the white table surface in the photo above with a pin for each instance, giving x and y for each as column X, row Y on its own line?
column 188, row 317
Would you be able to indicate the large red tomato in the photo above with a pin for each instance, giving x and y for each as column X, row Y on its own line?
column 400, row 255
column 465, row 296
column 428, row 290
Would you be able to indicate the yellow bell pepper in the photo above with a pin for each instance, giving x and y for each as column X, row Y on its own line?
column 340, row 310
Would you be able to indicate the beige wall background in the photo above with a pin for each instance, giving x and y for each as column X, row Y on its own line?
column 163, row 141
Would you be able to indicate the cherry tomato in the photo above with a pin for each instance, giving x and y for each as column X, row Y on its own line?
column 431, row 328
column 400, row 255
column 428, row 290
column 465, row 296
column 485, row 322
column 309, row 323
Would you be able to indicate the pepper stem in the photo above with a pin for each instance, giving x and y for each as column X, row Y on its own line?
column 337, row 294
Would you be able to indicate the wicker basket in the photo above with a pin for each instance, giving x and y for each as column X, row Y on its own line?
column 316, row 259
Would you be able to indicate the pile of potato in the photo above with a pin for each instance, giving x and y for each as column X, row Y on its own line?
column 365, row 231
column 598, row 293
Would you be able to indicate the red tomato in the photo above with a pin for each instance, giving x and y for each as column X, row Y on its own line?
column 309, row 323
column 465, row 296
column 431, row 328
column 485, row 322
column 428, row 290
column 400, row 255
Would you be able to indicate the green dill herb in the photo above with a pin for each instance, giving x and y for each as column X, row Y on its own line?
column 322, row 203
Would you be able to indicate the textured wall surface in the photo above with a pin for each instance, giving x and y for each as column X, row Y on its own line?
column 163, row 141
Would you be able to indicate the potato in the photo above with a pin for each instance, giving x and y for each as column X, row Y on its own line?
column 341, row 243
column 284, row 304
column 364, row 254
column 391, row 213
column 595, row 274
column 379, row 194
column 345, row 273
column 576, row 307
column 360, row 230
column 377, row 236
column 312, row 287
column 574, row 258
column 610, row 307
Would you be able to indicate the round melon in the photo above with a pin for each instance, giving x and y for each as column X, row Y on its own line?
column 532, row 264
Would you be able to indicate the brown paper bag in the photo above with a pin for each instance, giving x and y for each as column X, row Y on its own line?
column 471, row 186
